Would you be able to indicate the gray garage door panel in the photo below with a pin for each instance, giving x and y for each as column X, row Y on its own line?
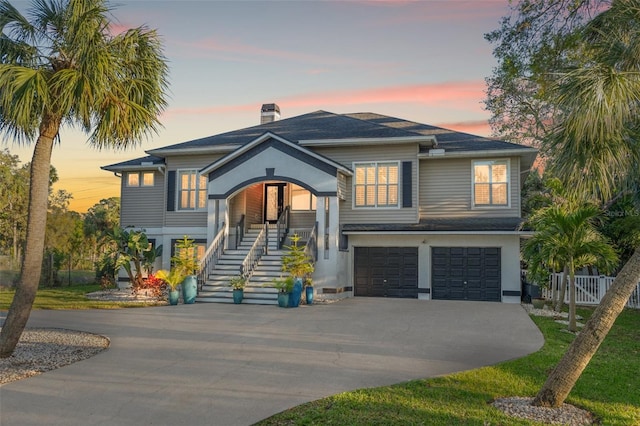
column 386, row 271
column 466, row 273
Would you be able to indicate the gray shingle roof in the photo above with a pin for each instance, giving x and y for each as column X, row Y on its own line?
column 136, row 162
column 323, row 125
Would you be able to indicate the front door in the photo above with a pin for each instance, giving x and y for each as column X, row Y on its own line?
column 273, row 201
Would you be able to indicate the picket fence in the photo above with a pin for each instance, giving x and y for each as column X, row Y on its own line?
column 589, row 289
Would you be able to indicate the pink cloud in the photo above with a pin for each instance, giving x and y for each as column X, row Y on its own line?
column 477, row 127
column 460, row 94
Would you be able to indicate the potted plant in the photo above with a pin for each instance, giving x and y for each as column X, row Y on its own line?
column 308, row 290
column 185, row 260
column 237, row 283
column 173, row 278
column 538, row 302
column 299, row 265
column 285, row 287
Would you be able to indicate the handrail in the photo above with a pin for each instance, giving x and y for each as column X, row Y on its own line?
column 282, row 227
column 211, row 256
column 257, row 250
column 311, row 247
column 239, row 231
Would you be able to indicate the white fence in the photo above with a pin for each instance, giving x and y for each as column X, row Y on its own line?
column 590, row 289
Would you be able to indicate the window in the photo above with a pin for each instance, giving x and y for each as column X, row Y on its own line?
column 301, row 199
column 198, row 251
column 192, row 190
column 376, row 184
column 140, row 179
column 491, row 183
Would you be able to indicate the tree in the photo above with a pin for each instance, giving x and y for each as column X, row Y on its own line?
column 64, row 67
column 566, row 236
column 593, row 143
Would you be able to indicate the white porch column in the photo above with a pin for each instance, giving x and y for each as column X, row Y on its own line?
column 320, row 218
column 211, row 221
column 333, row 228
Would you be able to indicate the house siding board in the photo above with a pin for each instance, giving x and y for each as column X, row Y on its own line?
column 254, row 196
column 302, row 220
column 445, row 190
column 398, row 152
column 142, row 206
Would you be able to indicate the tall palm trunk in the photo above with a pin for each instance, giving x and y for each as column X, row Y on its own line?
column 32, row 264
column 564, row 376
column 563, row 290
column 572, row 297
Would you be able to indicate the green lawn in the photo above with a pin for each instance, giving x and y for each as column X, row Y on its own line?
column 68, row 298
column 609, row 388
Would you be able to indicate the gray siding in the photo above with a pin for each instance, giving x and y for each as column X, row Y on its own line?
column 142, row 206
column 300, row 219
column 348, row 155
column 446, row 185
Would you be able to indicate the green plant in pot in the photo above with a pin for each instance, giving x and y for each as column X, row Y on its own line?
column 186, row 261
column 173, row 278
column 238, row 283
column 285, row 287
column 299, row 265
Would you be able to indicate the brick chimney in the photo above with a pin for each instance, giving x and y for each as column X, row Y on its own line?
column 269, row 113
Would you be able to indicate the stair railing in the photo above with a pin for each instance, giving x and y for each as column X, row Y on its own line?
column 311, row 247
column 212, row 255
column 282, row 227
column 239, row 231
column 257, row 250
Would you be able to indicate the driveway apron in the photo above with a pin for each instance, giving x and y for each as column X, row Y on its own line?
column 219, row 364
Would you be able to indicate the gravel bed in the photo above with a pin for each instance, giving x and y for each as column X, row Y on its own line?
column 566, row 414
column 41, row 350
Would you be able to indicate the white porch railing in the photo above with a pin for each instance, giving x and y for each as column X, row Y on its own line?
column 211, row 256
column 590, row 289
column 282, row 227
column 311, row 247
column 257, row 250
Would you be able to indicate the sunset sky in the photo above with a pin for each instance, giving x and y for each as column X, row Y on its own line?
column 424, row 61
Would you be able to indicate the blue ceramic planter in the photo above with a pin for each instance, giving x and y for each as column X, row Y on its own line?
column 296, row 294
column 174, row 296
column 283, row 300
column 238, row 295
column 190, row 289
column 308, row 292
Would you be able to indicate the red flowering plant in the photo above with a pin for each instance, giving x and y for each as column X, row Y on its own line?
column 155, row 285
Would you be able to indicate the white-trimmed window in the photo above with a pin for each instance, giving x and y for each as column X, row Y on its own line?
column 302, row 199
column 491, row 183
column 375, row 184
column 192, row 190
column 140, row 179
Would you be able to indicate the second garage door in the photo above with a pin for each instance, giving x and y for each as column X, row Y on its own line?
column 466, row 273
column 386, row 271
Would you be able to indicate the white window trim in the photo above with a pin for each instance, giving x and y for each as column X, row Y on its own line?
column 376, row 207
column 179, row 192
column 475, row 206
column 140, row 179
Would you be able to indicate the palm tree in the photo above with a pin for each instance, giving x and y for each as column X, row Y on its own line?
column 595, row 150
column 566, row 235
column 64, row 67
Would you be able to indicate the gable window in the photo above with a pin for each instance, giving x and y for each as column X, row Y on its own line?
column 302, row 199
column 140, row 179
column 192, row 190
column 376, row 184
column 491, row 183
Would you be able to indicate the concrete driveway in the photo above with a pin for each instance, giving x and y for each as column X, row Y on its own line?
column 215, row 364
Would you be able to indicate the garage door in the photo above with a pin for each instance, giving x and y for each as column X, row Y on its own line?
column 466, row 273
column 386, row 271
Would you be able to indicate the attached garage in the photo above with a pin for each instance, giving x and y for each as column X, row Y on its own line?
column 386, row 271
column 466, row 273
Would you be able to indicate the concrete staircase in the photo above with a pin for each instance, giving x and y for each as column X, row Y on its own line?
column 258, row 289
